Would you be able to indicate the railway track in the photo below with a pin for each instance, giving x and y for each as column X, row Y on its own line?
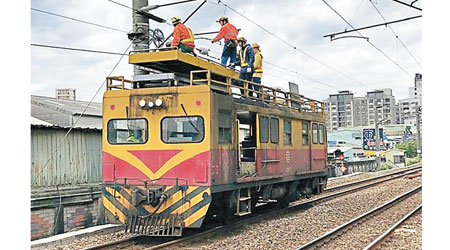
column 329, row 239
column 294, row 206
column 378, row 242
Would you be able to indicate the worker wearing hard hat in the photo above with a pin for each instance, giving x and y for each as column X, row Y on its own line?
column 183, row 37
column 245, row 59
column 229, row 33
column 257, row 75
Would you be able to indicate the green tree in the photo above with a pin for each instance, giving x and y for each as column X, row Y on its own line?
column 409, row 146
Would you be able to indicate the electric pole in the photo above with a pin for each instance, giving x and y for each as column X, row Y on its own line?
column 419, row 136
column 377, row 139
column 140, row 34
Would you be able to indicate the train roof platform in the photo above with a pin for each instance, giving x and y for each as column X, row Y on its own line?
column 171, row 60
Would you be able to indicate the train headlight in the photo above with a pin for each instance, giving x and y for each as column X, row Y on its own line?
column 150, row 104
column 158, row 102
column 142, row 103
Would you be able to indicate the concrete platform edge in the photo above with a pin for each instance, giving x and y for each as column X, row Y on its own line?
column 70, row 236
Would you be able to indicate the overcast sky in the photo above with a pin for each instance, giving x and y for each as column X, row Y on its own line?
column 345, row 64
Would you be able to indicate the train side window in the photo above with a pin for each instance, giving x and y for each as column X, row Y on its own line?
column 321, row 133
column 305, row 133
column 127, row 131
column 287, row 132
column 263, row 129
column 183, row 129
column 224, row 123
column 274, row 130
column 315, row 133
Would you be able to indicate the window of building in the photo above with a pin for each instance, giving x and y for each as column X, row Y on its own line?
column 184, row 129
column 321, row 133
column 305, row 133
column 263, row 129
column 315, row 133
column 274, row 130
column 127, row 131
column 224, row 127
column 287, row 132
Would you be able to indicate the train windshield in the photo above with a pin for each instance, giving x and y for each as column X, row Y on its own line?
column 127, row 131
column 182, row 129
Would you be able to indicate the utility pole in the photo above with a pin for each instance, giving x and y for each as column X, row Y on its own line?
column 419, row 136
column 377, row 139
column 140, row 34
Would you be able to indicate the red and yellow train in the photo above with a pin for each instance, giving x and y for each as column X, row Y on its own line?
column 178, row 146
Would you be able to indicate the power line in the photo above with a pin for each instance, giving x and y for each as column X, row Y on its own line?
column 390, row 59
column 79, row 117
column 395, row 34
column 77, row 49
column 78, row 20
column 292, row 46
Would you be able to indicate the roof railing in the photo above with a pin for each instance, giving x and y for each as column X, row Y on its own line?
column 264, row 93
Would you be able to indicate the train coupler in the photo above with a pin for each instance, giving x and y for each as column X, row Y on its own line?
column 155, row 225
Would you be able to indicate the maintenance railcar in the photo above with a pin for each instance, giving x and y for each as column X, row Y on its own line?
column 184, row 143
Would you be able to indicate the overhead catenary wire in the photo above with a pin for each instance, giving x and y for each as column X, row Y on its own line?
column 79, row 117
column 77, row 49
column 220, row 2
column 390, row 59
column 396, row 36
column 78, row 20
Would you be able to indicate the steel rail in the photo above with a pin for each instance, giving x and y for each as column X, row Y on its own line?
column 358, row 219
column 378, row 241
column 412, row 169
column 293, row 208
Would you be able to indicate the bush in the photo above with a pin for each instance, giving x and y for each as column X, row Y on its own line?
column 386, row 166
column 410, row 147
column 412, row 161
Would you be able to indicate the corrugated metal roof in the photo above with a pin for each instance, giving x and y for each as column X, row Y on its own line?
column 36, row 121
column 64, row 113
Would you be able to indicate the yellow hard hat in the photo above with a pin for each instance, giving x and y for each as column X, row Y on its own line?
column 255, row 45
column 176, row 20
column 241, row 38
column 222, row 18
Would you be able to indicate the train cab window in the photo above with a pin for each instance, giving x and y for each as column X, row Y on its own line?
column 183, row 129
column 287, row 132
column 224, row 124
column 321, row 133
column 315, row 133
column 274, row 130
column 263, row 129
column 305, row 133
column 127, row 131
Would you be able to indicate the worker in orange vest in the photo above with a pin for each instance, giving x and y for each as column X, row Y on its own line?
column 183, row 37
column 229, row 33
column 257, row 73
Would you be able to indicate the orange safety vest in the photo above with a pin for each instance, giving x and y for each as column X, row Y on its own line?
column 183, row 34
column 228, row 32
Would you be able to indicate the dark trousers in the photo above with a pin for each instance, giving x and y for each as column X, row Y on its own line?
column 185, row 48
column 256, row 87
column 248, row 77
column 228, row 52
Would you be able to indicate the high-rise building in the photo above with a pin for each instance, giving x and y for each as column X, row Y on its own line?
column 65, row 94
column 386, row 103
column 408, row 107
column 360, row 112
column 339, row 110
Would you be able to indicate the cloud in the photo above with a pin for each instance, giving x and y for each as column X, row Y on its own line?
column 300, row 23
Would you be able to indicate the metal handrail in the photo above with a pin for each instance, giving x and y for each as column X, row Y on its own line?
column 266, row 93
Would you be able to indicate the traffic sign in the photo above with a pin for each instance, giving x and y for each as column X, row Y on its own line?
column 342, row 168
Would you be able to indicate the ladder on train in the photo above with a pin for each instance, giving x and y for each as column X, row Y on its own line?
column 244, row 202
